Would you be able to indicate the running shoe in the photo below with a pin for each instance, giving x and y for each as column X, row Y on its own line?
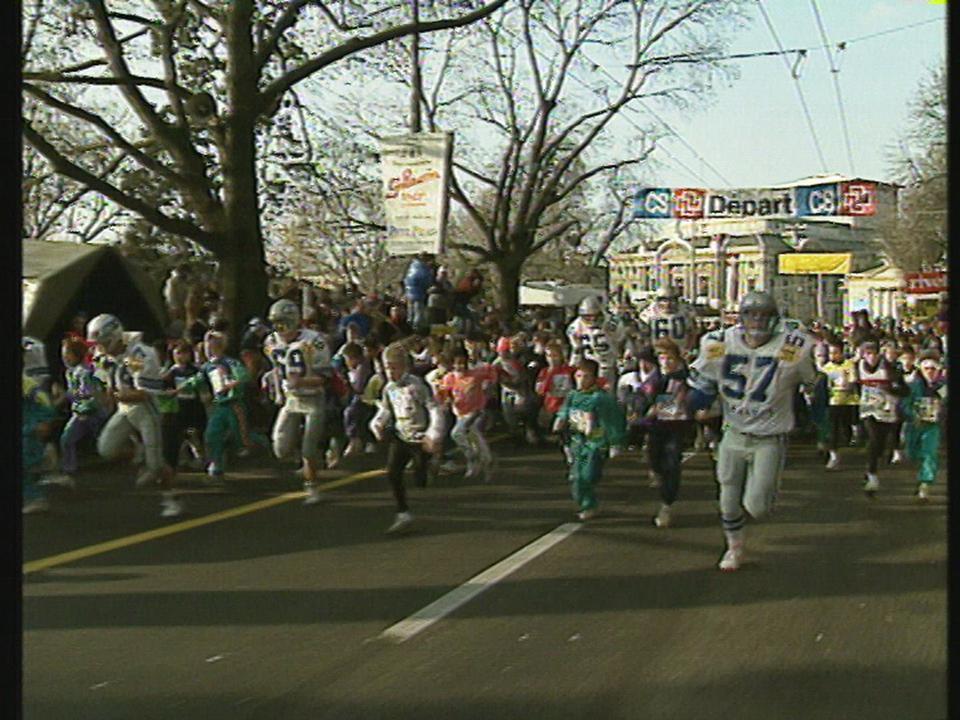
column 400, row 523
column 732, row 558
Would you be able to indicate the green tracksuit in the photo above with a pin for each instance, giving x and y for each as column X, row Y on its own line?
column 595, row 422
column 924, row 410
column 222, row 425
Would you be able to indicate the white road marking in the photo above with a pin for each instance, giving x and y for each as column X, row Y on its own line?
column 425, row 617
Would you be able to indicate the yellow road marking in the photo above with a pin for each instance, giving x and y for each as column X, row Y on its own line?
column 123, row 542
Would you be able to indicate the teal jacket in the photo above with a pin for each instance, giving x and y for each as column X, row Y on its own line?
column 594, row 417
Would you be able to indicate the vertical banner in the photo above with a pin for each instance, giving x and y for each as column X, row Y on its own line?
column 416, row 172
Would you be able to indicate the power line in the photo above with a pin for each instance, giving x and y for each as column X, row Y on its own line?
column 631, row 122
column 665, row 124
column 892, row 30
column 796, row 81
column 835, row 74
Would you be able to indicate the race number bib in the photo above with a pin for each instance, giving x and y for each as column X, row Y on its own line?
column 872, row 399
column 218, row 380
column 928, row 409
column 581, row 421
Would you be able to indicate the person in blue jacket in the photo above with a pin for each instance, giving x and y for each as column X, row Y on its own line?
column 416, row 283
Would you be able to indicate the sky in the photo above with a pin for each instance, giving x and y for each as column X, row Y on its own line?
column 754, row 131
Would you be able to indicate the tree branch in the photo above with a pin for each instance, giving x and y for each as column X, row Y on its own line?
column 68, row 169
column 273, row 91
column 109, row 131
column 128, row 81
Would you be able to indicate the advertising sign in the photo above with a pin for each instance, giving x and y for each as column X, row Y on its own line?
column 416, row 171
column 925, row 283
column 854, row 198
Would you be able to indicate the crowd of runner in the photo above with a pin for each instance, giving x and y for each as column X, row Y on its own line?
column 429, row 377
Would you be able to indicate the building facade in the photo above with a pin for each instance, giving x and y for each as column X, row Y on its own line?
column 715, row 261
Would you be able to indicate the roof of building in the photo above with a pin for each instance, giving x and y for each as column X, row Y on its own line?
column 826, row 178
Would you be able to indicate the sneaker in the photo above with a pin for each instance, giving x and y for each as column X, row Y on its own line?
column 654, row 479
column 472, row 470
column 587, row 514
column 922, row 493
column 36, row 506
column 662, row 518
column 333, row 454
column 370, row 448
column 313, row 493
column 896, row 458
column 145, row 478
column 871, row 485
column 170, row 507
column 731, row 558
column 60, row 479
column 353, row 447
column 449, row 466
column 243, row 452
column 834, row 462
column 400, row 523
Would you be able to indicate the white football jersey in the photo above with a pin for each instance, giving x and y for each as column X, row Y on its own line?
column 756, row 385
column 138, row 368
column 595, row 343
column 679, row 326
column 307, row 355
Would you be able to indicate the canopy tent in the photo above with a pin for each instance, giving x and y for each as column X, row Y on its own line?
column 554, row 294
column 62, row 278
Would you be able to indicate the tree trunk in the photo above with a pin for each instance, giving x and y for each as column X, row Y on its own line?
column 508, row 269
column 242, row 263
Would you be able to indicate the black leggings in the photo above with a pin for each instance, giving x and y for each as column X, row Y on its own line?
column 667, row 441
column 842, row 418
column 877, row 435
column 398, row 454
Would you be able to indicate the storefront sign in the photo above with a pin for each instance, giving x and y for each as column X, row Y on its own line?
column 925, row 283
column 416, row 169
column 853, row 198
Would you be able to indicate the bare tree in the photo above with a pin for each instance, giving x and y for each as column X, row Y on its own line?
column 917, row 237
column 201, row 82
column 548, row 134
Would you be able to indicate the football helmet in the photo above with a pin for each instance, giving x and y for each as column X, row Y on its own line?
column 105, row 330
column 284, row 315
column 667, row 299
column 758, row 317
column 591, row 311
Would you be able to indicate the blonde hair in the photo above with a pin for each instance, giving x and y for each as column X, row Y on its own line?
column 396, row 352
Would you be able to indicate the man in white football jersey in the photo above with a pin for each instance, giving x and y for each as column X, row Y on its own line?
column 301, row 370
column 133, row 381
column 594, row 337
column 669, row 317
column 755, row 367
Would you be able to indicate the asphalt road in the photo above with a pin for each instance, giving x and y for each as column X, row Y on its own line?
column 256, row 606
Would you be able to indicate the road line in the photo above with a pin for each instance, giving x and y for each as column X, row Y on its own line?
column 143, row 537
column 425, row 617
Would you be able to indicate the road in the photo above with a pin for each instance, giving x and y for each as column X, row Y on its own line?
column 256, row 606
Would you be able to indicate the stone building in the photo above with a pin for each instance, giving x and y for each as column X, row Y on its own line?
column 715, row 261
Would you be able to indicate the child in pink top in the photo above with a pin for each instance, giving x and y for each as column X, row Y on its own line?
column 464, row 389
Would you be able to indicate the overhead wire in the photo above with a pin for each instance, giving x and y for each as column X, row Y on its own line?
column 835, row 74
column 796, row 80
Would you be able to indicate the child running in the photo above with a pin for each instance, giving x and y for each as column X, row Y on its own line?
column 463, row 389
column 596, row 424
column 925, row 410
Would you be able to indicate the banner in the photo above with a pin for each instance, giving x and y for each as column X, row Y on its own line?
column 416, row 170
column 853, row 198
column 925, row 283
column 814, row 263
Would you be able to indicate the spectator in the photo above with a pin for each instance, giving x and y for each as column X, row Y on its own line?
column 360, row 317
column 175, row 291
column 416, row 282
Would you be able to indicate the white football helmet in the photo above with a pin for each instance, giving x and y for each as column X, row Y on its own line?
column 105, row 330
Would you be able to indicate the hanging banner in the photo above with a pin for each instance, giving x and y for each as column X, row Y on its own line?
column 814, row 263
column 853, row 198
column 416, row 171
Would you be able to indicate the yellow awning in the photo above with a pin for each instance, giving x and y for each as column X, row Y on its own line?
column 815, row 263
